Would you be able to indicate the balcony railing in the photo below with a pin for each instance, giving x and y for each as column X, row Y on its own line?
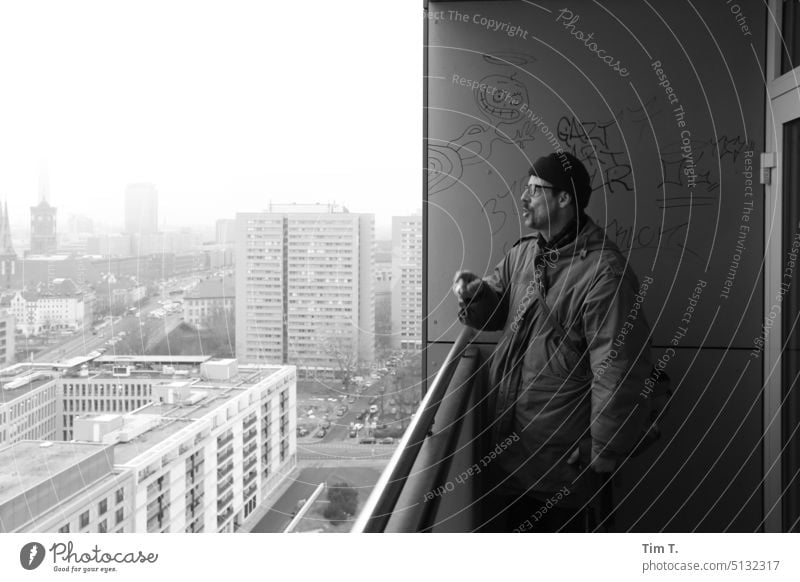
column 250, row 464
column 249, row 478
column 439, row 440
column 224, row 440
column 224, row 455
column 222, row 502
column 222, row 471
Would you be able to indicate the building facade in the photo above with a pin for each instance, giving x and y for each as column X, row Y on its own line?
column 29, row 404
column 186, row 451
column 43, row 229
column 7, row 334
column 210, row 298
column 59, row 306
column 406, row 282
column 304, row 288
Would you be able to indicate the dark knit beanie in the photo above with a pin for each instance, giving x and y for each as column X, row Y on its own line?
column 565, row 172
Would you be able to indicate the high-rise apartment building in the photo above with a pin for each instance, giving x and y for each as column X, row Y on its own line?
column 304, row 288
column 407, row 282
column 141, row 209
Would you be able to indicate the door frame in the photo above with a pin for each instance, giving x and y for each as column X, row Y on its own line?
column 782, row 105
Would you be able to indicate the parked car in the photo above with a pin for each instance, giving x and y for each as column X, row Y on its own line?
column 302, row 432
column 367, row 441
column 387, row 441
column 353, row 433
column 320, row 433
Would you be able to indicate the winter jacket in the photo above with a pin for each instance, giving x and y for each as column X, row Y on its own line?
column 566, row 373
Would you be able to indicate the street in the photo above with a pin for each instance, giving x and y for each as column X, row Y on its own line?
column 280, row 514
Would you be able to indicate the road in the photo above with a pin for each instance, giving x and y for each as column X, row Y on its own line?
column 280, row 514
column 343, row 451
column 83, row 341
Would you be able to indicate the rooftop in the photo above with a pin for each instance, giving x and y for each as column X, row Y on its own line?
column 28, row 463
column 7, row 395
column 172, row 418
column 168, row 360
column 213, row 288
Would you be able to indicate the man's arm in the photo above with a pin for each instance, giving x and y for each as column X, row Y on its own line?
column 617, row 334
column 483, row 303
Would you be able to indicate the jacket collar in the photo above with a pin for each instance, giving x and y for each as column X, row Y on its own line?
column 566, row 235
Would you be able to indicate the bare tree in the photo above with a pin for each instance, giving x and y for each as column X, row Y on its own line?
column 340, row 348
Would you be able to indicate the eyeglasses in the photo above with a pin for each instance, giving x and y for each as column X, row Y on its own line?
column 537, row 189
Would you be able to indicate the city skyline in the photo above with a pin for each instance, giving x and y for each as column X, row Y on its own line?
column 208, row 120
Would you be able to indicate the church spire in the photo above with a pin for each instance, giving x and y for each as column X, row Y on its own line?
column 6, row 247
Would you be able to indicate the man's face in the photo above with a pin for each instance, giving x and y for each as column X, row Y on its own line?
column 539, row 204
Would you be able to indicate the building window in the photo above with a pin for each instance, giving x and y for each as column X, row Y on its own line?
column 102, row 527
column 120, row 495
column 120, row 515
column 102, row 507
column 64, row 529
column 84, row 519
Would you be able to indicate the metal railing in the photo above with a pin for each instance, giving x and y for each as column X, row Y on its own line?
column 380, row 506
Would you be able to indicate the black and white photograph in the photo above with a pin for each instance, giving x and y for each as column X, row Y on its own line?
column 424, row 267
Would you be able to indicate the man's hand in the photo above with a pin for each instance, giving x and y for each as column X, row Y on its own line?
column 465, row 285
column 597, row 464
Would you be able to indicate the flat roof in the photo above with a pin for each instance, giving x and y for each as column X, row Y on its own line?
column 176, row 417
column 9, row 395
column 152, row 359
column 27, row 463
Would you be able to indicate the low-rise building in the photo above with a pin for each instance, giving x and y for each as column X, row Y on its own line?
column 211, row 441
column 57, row 306
column 29, row 404
column 210, row 298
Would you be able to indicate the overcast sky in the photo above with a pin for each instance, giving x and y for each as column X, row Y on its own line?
column 222, row 105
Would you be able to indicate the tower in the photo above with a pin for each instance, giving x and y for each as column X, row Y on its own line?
column 43, row 219
column 8, row 258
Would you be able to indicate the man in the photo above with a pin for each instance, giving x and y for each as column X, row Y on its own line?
column 567, row 376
